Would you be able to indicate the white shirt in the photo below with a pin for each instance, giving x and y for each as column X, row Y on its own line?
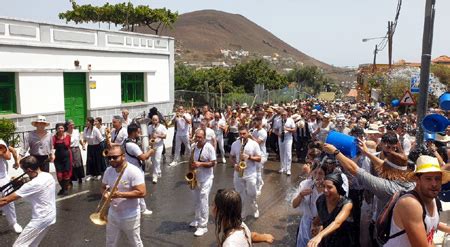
column 239, row 238
column 93, row 136
column 207, row 154
column 288, row 124
column 75, row 138
column 313, row 126
column 182, row 125
column 127, row 122
column 308, row 205
column 159, row 130
column 120, row 137
column 40, row 192
column 133, row 149
column 261, row 135
column 123, row 208
column 251, row 149
column 210, row 135
column 215, row 125
column 3, row 168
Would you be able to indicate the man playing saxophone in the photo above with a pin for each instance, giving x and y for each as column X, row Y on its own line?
column 124, row 213
column 248, row 151
column 158, row 133
column 204, row 159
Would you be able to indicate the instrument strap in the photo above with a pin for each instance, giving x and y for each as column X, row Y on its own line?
column 200, row 154
column 117, row 133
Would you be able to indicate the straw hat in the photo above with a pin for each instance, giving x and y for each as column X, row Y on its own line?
column 40, row 119
column 296, row 117
column 270, row 110
column 441, row 138
column 425, row 164
column 244, row 105
column 373, row 129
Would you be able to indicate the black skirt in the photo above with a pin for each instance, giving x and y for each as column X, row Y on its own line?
column 95, row 164
column 77, row 164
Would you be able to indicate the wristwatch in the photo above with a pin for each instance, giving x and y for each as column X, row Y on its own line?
column 336, row 152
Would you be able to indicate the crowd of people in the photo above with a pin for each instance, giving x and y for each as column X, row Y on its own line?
column 341, row 199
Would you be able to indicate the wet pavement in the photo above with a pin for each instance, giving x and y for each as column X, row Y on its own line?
column 172, row 205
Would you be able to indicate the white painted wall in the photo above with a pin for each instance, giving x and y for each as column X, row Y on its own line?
column 108, row 91
column 40, row 92
column 105, row 67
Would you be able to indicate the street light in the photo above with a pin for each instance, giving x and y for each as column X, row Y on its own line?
column 367, row 39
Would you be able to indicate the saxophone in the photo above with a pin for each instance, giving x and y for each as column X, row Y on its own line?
column 242, row 165
column 191, row 176
column 107, row 141
column 152, row 140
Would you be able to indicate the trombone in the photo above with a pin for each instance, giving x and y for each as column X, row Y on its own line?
column 14, row 185
column 99, row 217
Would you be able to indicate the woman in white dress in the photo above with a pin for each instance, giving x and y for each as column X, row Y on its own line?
column 309, row 190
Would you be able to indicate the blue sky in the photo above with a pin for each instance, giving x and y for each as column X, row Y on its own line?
column 328, row 30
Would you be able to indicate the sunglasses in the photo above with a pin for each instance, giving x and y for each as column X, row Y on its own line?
column 113, row 157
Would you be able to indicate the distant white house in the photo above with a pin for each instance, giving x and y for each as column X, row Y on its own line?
column 66, row 72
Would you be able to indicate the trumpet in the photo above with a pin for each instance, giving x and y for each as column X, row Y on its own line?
column 14, row 185
column 99, row 217
column 191, row 176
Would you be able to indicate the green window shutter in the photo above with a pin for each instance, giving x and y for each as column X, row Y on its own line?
column 7, row 93
column 132, row 87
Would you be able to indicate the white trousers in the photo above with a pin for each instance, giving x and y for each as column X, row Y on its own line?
column 201, row 202
column 130, row 227
column 156, row 160
column 31, row 236
column 246, row 187
column 187, row 145
column 9, row 209
column 259, row 168
column 285, row 154
column 220, row 145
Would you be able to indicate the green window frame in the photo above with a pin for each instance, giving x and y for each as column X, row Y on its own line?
column 7, row 93
column 132, row 87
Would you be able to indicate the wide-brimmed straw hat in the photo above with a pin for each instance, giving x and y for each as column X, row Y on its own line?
column 441, row 138
column 373, row 129
column 40, row 119
column 244, row 105
column 425, row 164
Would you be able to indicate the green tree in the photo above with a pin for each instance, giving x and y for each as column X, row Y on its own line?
column 124, row 14
column 257, row 72
column 442, row 72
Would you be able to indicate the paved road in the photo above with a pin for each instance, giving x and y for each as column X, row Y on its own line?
column 172, row 206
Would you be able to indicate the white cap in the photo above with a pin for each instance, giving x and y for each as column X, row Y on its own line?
column 3, row 143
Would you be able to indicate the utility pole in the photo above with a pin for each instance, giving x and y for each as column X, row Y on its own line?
column 374, row 67
column 390, row 37
column 427, row 43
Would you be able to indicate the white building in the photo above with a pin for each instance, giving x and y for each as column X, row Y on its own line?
column 66, row 72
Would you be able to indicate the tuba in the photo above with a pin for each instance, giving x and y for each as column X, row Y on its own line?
column 14, row 185
column 191, row 176
column 242, row 165
column 99, row 217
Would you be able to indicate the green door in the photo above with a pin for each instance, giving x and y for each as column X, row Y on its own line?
column 75, row 97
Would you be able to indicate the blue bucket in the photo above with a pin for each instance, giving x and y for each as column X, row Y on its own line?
column 429, row 136
column 444, row 101
column 318, row 107
column 434, row 123
column 395, row 103
column 345, row 143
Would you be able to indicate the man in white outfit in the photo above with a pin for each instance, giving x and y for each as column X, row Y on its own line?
column 135, row 156
column 124, row 211
column 284, row 129
column 219, row 126
column 119, row 132
column 158, row 132
column 246, row 185
column 40, row 192
column 9, row 209
column 204, row 161
column 183, row 122
column 259, row 135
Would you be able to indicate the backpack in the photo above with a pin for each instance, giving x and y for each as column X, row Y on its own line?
column 384, row 220
column 142, row 163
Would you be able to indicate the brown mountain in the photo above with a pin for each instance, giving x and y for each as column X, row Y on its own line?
column 200, row 36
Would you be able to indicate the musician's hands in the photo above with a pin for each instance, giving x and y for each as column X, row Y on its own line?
column 236, row 167
column 52, row 158
column 245, row 157
column 195, row 164
column 16, row 165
